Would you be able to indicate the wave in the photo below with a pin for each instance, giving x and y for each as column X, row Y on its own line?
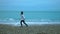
column 11, row 21
column 29, row 20
column 29, row 23
column 7, row 20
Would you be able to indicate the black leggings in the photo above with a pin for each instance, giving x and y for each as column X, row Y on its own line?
column 23, row 22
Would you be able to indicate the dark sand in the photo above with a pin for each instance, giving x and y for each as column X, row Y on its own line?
column 33, row 29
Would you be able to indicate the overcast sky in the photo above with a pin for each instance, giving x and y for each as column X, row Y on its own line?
column 30, row 5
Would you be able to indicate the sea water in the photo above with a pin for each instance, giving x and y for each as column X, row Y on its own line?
column 31, row 17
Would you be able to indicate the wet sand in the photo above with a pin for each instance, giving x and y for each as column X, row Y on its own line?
column 33, row 29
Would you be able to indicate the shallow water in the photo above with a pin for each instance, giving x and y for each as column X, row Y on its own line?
column 31, row 16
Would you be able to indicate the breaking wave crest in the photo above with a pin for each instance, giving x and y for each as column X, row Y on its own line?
column 11, row 21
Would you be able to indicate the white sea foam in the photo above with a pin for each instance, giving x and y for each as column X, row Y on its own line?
column 29, row 23
column 11, row 21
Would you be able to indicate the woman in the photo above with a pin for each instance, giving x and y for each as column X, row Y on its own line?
column 22, row 19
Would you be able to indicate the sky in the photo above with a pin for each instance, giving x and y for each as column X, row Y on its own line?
column 30, row 5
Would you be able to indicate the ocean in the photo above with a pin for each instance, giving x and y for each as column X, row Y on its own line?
column 30, row 16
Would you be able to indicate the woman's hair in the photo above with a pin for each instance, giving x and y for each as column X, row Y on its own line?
column 21, row 12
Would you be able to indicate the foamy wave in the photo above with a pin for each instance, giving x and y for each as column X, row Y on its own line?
column 39, row 20
column 29, row 23
column 7, row 20
column 11, row 21
column 28, row 20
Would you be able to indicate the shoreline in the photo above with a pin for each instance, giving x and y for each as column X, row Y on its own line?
column 30, row 23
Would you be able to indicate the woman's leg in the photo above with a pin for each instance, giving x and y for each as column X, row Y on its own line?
column 21, row 23
column 25, row 23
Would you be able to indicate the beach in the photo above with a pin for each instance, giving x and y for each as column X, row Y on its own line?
column 33, row 29
column 39, row 22
column 41, row 16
